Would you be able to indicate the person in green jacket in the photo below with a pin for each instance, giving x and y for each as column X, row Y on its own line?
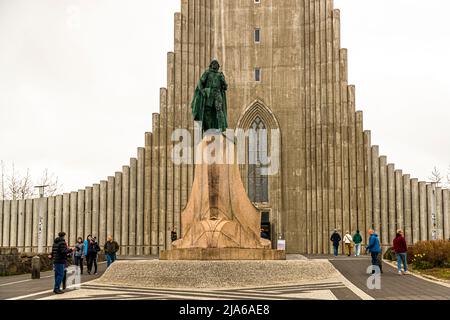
column 357, row 239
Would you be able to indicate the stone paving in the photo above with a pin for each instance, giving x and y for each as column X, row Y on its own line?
column 393, row 286
column 217, row 274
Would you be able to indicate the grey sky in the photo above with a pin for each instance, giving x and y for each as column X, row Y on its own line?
column 79, row 81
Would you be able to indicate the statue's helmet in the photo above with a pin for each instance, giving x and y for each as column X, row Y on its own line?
column 214, row 65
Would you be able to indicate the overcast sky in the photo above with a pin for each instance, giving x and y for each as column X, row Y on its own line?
column 79, row 81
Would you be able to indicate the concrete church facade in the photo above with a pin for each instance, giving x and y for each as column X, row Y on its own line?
column 286, row 72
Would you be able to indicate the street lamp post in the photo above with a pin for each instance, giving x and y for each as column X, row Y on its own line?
column 41, row 196
column 36, row 263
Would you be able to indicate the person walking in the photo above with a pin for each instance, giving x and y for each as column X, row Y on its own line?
column 401, row 250
column 92, row 252
column 79, row 254
column 357, row 239
column 86, row 246
column 60, row 250
column 336, row 239
column 348, row 241
column 111, row 248
column 374, row 248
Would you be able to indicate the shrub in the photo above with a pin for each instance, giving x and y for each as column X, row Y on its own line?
column 390, row 255
column 431, row 254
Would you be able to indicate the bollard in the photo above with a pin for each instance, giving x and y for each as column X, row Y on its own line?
column 36, row 267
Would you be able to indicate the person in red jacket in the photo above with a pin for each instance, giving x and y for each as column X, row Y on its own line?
column 401, row 250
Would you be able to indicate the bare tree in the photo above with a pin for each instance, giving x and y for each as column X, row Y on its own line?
column 436, row 177
column 3, row 178
column 26, row 187
column 14, row 184
column 448, row 177
column 52, row 183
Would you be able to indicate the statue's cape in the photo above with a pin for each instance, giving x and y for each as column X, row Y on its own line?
column 199, row 103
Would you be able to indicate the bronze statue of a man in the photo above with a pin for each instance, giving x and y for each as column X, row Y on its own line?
column 210, row 101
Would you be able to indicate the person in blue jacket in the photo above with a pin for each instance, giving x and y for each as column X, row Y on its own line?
column 374, row 248
column 86, row 244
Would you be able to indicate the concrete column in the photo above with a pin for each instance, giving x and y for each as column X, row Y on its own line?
column 191, row 83
column 140, row 201
column 446, row 212
column 185, row 103
column 345, row 143
column 35, row 225
column 72, row 236
column 352, row 159
column 50, row 222
column 197, row 66
column 95, row 209
column 439, row 218
column 88, row 212
column 1, row 222
column 360, row 169
column 43, row 205
column 163, row 169
column 392, row 202
column 80, row 214
column 415, row 211
column 208, row 27
column 110, row 207
column 384, row 203
column 58, row 215
column 133, row 208
column 368, row 183
column 148, row 193
column 337, row 108
column 66, row 214
column 21, row 226
column 399, row 214
column 376, row 192
column 317, row 132
column 170, row 166
column 125, row 208
column 28, row 225
column 308, row 218
column 423, row 211
column 155, row 185
column 323, row 133
column 431, row 206
column 13, row 223
column 103, row 213
column 177, row 171
column 118, row 208
column 299, row 221
column 330, row 176
column 407, row 207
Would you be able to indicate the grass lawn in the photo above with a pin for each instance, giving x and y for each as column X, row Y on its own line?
column 440, row 273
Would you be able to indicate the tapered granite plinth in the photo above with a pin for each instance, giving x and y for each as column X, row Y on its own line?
column 210, row 254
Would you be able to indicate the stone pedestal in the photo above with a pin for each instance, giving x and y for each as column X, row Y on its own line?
column 219, row 221
column 223, row 254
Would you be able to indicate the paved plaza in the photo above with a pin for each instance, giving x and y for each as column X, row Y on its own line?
column 347, row 281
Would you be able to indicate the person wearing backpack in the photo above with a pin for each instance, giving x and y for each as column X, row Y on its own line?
column 336, row 239
column 357, row 239
column 348, row 241
column 91, row 259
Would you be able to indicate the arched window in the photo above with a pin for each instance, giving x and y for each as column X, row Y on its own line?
column 258, row 184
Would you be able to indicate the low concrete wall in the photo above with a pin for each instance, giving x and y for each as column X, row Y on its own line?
column 13, row 262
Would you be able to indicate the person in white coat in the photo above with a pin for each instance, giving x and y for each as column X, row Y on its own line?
column 348, row 242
